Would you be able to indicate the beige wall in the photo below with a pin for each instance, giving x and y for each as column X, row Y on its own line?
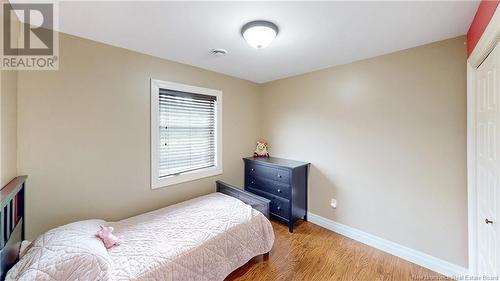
column 84, row 135
column 8, row 148
column 8, row 118
column 386, row 137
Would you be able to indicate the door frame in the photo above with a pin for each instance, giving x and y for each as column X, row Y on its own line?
column 487, row 42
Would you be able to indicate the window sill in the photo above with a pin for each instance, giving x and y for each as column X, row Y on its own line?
column 186, row 177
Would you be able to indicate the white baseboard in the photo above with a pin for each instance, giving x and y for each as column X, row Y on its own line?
column 411, row 255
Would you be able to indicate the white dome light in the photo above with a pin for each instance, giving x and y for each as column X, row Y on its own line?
column 259, row 34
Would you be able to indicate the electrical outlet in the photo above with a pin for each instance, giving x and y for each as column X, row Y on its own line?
column 333, row 203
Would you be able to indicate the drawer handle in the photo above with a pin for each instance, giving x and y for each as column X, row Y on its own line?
column 252, row 182
column 252, row 169
column 279, row 190
column 279, row 208
column 279, row 176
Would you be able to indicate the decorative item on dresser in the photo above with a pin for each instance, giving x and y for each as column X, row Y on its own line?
column 282, row 181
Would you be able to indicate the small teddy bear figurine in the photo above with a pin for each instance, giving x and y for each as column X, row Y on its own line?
column 261, row 149
column 107, row 237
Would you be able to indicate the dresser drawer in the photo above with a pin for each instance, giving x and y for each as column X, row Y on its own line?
column 257, row 171
column 278, row 207
column 271, row 186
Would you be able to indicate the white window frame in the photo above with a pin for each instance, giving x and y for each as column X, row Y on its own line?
column 156, row 181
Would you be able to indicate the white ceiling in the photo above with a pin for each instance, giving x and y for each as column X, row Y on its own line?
column 313, row 35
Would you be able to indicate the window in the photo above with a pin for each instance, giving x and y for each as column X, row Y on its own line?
column 185, row 133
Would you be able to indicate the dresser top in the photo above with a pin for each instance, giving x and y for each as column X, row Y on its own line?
column 292, row 164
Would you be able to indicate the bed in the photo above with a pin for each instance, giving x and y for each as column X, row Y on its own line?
column 205, row 238
column 11, row 223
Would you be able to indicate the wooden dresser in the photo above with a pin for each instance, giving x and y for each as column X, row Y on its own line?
column 282, row 181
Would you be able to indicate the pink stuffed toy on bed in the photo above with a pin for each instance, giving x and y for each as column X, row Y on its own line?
column 107, row 237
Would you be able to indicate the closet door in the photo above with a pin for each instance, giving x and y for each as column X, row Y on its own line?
column 487, row 164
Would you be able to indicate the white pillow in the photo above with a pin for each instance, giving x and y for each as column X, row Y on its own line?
column 69, row 252
column 23, row 249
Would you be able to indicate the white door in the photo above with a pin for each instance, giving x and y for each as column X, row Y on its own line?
column 487, row 89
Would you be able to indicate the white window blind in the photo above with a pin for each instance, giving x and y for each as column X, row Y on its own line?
column 187, row 132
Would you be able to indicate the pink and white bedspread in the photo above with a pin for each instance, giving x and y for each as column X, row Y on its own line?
column 205, row 238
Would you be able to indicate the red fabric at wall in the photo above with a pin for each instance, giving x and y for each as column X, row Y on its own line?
column 483, row 16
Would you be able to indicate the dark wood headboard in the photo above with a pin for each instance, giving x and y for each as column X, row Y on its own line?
column 258, row 203
column 12, row 198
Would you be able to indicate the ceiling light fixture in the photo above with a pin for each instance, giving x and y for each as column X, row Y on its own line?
column 259, row 34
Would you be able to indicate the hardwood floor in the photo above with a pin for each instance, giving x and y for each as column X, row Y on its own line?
column 315, row 253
